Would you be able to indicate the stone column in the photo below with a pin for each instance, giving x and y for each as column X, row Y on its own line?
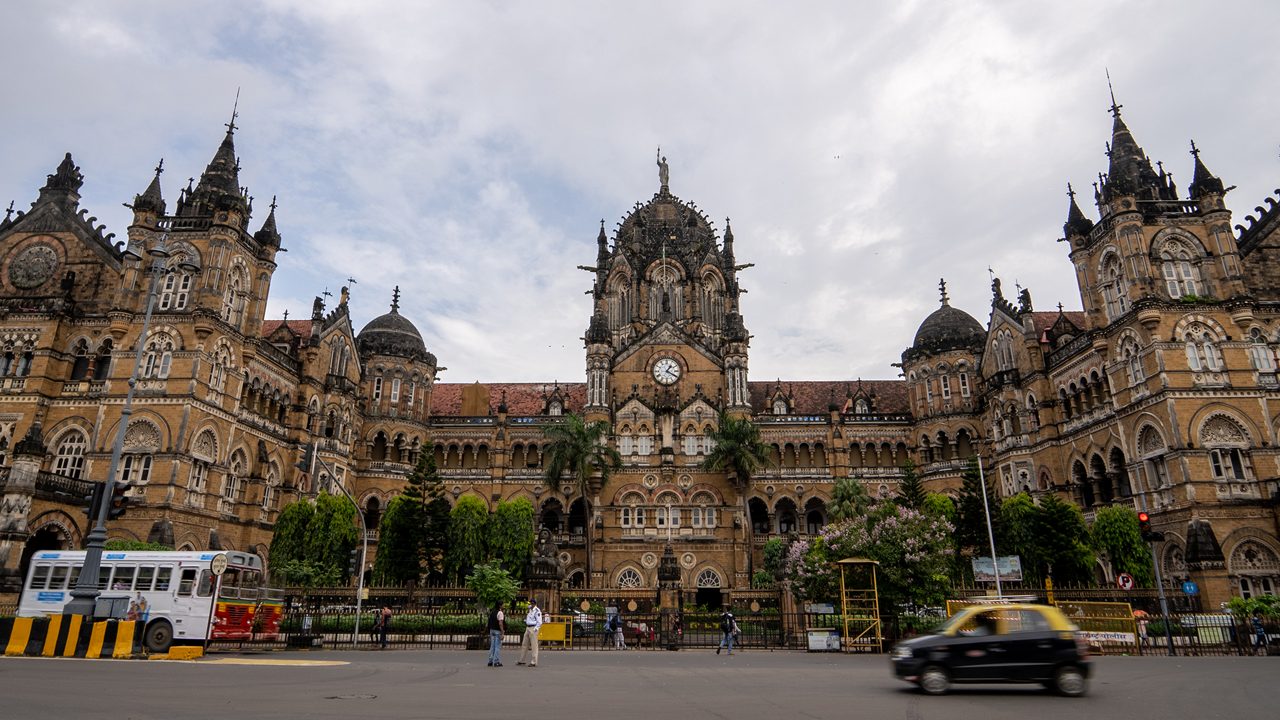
column 15, row 506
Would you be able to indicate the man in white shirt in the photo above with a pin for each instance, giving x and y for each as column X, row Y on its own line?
column 529, row 643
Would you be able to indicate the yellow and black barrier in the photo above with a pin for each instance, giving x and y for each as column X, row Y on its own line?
column 70, row 636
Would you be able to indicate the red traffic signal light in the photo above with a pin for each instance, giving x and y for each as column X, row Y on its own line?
column 1144, row 528
column 1144, row 518
column 119, row 500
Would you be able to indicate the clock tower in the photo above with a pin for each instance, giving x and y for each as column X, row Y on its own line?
column 665, row 331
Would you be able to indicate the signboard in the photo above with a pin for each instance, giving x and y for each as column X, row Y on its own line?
column 1098, row 637
column 1010, row 568
column 1124, row 581
column 1190, row 588
column 218, row 564
column 819, row 608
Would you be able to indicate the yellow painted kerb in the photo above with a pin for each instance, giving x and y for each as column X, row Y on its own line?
column 19, row 637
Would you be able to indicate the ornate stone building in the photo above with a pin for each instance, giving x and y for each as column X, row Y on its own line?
column 1157, row 394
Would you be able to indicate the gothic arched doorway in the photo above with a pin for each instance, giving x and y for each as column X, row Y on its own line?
column 49, row 537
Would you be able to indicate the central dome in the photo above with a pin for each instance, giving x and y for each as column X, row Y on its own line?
column 947, row 328
column 393, row 334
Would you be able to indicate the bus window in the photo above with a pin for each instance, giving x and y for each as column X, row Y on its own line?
column 187, row 582
column 58, row 579
column 123, row 579
column 74, row 577
column 146, row 574
column 104, row 576
column 163, row 576
column 206, row 584
column 40, row 577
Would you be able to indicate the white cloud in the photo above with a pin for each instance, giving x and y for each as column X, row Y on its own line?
column 467, row 151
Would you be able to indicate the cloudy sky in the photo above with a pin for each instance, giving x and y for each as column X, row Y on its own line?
column 467, row 151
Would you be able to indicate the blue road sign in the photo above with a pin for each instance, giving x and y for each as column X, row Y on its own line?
column 1190, row 588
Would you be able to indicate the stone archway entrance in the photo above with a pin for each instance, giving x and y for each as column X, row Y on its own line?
column 49, row 537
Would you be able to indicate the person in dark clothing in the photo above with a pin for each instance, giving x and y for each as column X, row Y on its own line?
column 382, row 625
column 497, row 626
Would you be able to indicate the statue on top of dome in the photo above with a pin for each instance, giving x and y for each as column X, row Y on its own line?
column 663, row 170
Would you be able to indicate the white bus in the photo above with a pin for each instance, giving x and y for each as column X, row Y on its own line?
column 183, row 597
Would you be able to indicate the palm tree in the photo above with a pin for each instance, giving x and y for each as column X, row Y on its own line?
column 738, row 452
column 581, row 450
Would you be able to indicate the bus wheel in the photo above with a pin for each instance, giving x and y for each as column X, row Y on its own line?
column 159, row 636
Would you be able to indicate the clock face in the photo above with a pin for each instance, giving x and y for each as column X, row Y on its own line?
column 33, row 267
column 666, row 371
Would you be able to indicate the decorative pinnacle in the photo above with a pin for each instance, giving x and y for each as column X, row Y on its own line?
column 231, row 126
column 1071, row 193
column 1195, row 151
column 286, row 316
column 1115, row 107
column 395, row 299
column 942, row 288
column 273, row 203
column 160, row 167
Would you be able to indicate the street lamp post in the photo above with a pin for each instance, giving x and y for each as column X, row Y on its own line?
column 85, row 594
column 991, row 535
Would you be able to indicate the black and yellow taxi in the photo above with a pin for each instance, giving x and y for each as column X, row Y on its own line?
column 1015, row 642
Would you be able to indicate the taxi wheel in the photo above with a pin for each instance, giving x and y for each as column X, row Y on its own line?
column 934, row 680
column 1069, row 681
column 159, row 636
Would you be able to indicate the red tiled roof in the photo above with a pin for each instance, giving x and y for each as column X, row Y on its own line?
column 1045, row 320
column 808, row 397
column 522, row 398
column 811, row 397
column 299, row 327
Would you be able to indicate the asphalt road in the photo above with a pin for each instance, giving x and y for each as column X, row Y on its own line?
column 630, row 684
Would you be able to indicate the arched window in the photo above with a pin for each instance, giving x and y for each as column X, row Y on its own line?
column 1260, row 353
column 709, row 578
column 1228, row 447
column 1180, row 265
column 80, row 361
column 1115, row 291
column 234, row 297
column 102, row 364
column 176, row 289
column 69, row 458
column 1132, row 362
column 1202, row 350
column 1152, row 447
column 629, row 578
column 231, row 483
column 159, row 356
column 779, row 407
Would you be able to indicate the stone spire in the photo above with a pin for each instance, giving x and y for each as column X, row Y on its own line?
column 1077, row 224
column 395, row 300
column 602, row 243
column 728, row 241
column 1130, row 171
column 268, row 235
column 219, row 185
column 1203, row 182
column 151, row 201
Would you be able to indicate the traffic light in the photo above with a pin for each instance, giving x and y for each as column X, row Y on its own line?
column 92, row 501
column 119, row 501
column 307, row 459
column 1144, row 527
column 353, row 565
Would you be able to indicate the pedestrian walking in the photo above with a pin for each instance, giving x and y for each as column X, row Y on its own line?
column 382, row 625
column 529, row 643
column 727, row 625
column 1259, row 633
column 497, row 626
column 619, row 633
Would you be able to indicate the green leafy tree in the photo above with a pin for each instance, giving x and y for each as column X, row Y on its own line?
column 332, row 534
column 400, row 554
column 510, row 536
column 289, row 539
column 425, row 489
column 849, row 499
column 467, row 545
column 940, row 505
column 1115, row 533
column 127, row 545
column 971, row 513
column 775, row 557
column 492, row 585
column 1020, row 524
column 910, row 490
column 1065, row 542
column 580, row 450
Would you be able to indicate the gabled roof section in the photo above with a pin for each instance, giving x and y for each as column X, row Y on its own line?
column 522, row 399
column 271, row 329
column 57, row 209
column 665, row 333
column 813, row 397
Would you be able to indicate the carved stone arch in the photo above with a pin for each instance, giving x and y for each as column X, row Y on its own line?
column 1110, row 253
column 190, row 541
column 55, row 434
column 1186, row 322
column 204, row 445
column 171, row 331
column 61, row 523
column 1173, row 236
column 1223, row 428
column 704, row 573
column 629, row 576
column 143, row 436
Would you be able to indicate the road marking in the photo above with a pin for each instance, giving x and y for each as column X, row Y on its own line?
column 264, row 661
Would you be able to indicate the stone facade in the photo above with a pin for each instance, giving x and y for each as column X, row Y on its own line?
column 1156, row 395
